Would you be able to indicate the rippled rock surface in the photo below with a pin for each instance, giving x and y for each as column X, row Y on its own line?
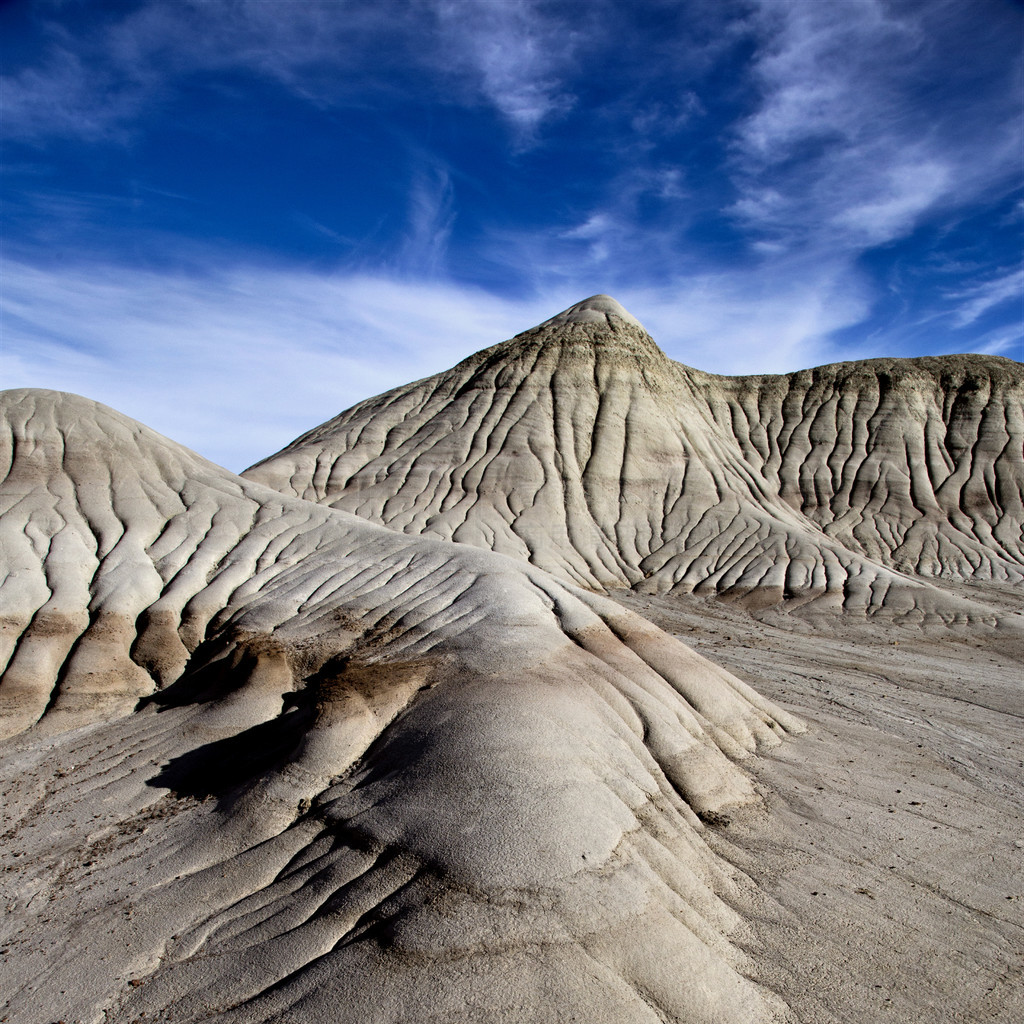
column 581, row 447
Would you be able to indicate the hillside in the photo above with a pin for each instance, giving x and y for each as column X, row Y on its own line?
column 569, row 684
column 263, row 754
column 579, row 446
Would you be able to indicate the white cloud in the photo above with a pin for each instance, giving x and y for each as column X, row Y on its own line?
column 97, row 83
column 666, row 119
column 598, row 231
column 64, row 97
column 772, row 318
column 810, row 54
column 775, row 314
column 974, row 302
column 901, row 194
column 1009, row 343
column 430, row 219
column 238, row 363
column 856, row 136
column 517, row 55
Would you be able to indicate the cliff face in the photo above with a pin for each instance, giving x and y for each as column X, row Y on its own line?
column 581, row 447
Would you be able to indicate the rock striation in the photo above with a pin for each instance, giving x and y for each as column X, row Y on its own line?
column 354, row 736
column 271, row 762
column 579, row 446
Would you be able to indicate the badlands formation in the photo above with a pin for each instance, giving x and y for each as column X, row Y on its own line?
column 572, row 684
column 581, row 447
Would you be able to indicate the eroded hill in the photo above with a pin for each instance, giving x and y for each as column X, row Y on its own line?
column 278, row 751
column 271, row 762
column 580, row 446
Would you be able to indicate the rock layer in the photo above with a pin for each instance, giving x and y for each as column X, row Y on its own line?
column 581, row 447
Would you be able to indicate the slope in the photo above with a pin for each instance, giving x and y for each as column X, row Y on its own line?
column 267, row 761
column 580, row 446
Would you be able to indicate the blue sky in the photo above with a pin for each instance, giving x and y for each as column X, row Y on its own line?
column 232, row 219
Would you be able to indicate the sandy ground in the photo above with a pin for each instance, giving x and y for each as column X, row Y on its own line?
column 890, row 847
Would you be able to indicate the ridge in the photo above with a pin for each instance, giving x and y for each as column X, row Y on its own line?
column 579, row 446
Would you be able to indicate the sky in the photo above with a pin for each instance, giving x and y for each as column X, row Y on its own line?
column 232, row 219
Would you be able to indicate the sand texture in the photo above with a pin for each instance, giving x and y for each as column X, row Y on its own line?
column 889, row 849
column 570, row 685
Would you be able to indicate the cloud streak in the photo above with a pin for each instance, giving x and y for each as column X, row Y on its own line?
column 975, row 302
column 430, row 220
column 96, row 82
column 236, row 364
column 841, row 152
column 518, row 56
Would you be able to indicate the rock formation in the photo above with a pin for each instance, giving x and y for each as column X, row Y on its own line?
column 277, row 749
column 291, row 763
column 581, row 447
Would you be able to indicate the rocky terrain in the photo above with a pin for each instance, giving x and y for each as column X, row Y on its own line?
column 296, row 746
column 582, row 448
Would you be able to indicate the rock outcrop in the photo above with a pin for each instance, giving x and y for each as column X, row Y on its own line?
column 579, row 446
column 281, row 763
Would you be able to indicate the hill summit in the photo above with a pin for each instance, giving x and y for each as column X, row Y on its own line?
column 598, row 309
column 580, row 446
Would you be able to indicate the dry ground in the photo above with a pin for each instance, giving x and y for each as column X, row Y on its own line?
column 891, row 842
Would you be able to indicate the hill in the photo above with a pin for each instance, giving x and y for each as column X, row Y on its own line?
column 579, row 446
column 267, row 761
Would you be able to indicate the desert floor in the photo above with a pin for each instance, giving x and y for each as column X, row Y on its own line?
column 889, row 851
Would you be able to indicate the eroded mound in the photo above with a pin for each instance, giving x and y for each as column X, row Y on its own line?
column 271, row 761
column 581, row 447
column 283, row 762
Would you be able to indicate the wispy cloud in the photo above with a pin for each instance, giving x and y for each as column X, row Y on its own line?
column 518, row 54
column 63, row 97
column 771, row 318
column 807, row 55
column 841, row 151
column 972, row 303
column 430, row 218
column 237, row 363
column 1009, row 343
column 97, row 82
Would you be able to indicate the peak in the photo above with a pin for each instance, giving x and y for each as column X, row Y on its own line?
column 595, row 310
